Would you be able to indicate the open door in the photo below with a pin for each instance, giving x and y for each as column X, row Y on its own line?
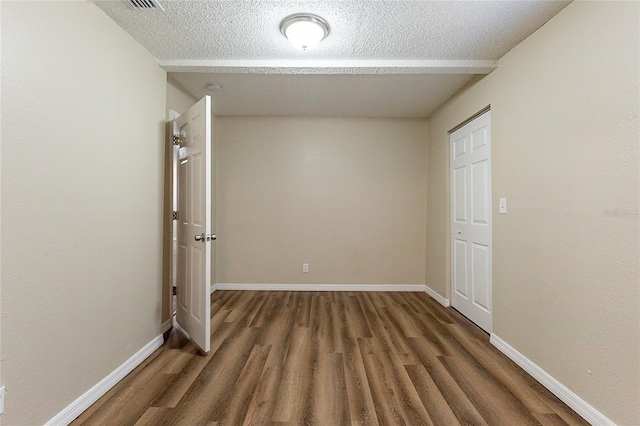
column 195, row 204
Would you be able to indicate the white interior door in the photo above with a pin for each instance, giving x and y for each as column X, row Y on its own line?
column 471, row 263
column 195, row 205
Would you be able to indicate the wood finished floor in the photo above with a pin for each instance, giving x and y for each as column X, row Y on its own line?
column 330, row 358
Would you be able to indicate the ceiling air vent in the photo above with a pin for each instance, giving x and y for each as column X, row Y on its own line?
column 144, row 4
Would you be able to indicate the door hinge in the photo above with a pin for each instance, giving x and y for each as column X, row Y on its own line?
column 177, row 139
column 175, row 215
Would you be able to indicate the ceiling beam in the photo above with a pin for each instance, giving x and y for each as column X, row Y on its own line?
column 313, row 66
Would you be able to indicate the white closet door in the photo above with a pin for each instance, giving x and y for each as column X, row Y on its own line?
column 471, row 220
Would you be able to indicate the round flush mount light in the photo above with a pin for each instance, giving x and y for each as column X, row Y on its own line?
column 304, row 30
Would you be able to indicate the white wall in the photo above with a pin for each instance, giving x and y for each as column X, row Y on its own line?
column 565, row 146
column 346, row 196
column 83, row 107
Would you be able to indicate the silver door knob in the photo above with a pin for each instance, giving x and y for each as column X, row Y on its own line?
column 205, row 237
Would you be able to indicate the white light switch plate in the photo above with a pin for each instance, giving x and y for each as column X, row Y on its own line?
column 502, row 205
column 2, row 400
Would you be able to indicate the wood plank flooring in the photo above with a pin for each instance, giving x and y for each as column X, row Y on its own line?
column 330, row 358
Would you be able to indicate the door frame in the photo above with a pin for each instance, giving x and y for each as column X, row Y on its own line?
column 169, row 204
column 449, row 217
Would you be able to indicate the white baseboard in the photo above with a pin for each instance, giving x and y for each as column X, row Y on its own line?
column 78, row 406
column 580, row 406
column 436, row 296
column 214, row 287
column 320, row 287
column 166, row 326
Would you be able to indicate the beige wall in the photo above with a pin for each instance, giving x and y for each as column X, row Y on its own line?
column 178, row 99
column 565, row 154
column 346, row 196
column 83, row 107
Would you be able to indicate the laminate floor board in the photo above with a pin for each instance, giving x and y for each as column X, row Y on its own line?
column 330, row 358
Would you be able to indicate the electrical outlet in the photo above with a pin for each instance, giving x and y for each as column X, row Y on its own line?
column 305, row 267
column 2, row 390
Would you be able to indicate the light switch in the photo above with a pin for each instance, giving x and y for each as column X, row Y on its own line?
column 502, row 205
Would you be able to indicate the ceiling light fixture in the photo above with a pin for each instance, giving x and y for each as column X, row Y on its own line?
column 304, row 30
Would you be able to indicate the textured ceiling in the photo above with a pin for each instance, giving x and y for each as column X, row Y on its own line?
column 449, row 40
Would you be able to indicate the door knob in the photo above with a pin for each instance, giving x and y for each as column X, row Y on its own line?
column 202, row 237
